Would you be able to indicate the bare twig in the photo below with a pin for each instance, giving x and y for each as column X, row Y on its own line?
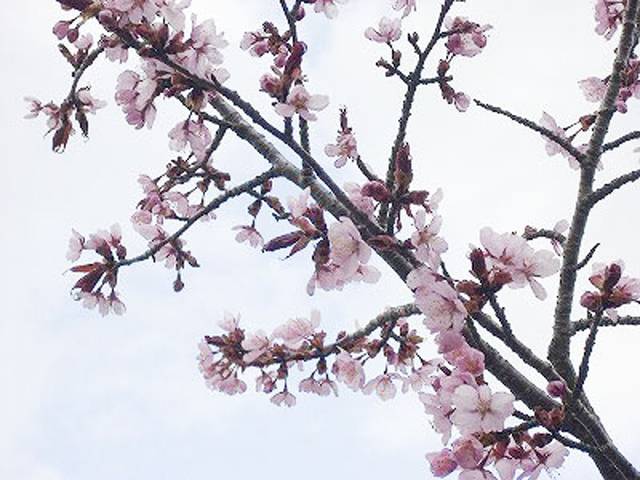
column 583, row 263
column 586, row 323
column 575, row 153
column 211, row 206
column 613, row 185
column 619, row 141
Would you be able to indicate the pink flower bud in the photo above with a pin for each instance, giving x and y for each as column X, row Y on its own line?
column 556, row 389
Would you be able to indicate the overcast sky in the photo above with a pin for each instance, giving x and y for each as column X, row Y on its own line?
column 122, row 398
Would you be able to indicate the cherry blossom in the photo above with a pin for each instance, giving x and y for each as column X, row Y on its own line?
column 297, row 330
column 249, row 234
column 608, row 16
column 348, row 250
column 442, row 463
column 513, row 255
column 284, row 398
column 429, row 247
column 383, row 386
column 299, row 101
column 551, row 456
column 364, row 203
column 194, row 133
column 468, row 452
column 328, row 7
column 349, row 371
column 87, row 103
column 76, row 246
column 389, row 30
column 478, row 410
column 345, row 148
column 203, row 51
column 614, row 289
column 407, row 5
column 256, row 344
column 133, row 11
column 466, row 38
column 135, row 94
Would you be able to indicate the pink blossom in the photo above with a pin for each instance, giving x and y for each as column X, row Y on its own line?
column 478, row 410
column 322, row 387
column 349, row 371
column 298, row 206
column 87, row 103
column 299, row 101
column 110, row 303
column 407, row 5
column 84, row 42
column 440, row 411
column 256, row 42
column 133, row 11
column 76, row 246
column 256, row 344
column 60, row 29
column 449, row 341
column 345, row 148
column 383, row 386
column 348, row 250
column 465, row 38
column 419, row 377
column 194, row 133
column 297, row 330
column 388, row 31
column 439, row 302
column 615, row 290
column 593, row 89
column 35, row 107
column 328, row 7
column 116, row 52
column 203, row 54
column 468, row 360
column 429, row 247
column 229, row 322
column 552, row 148
column 608, row 14
column 548, row 457
column 284, row 398
column 172, row 13
column 512, row 254
column 136, row 95
column 442, row 463
column 249, row 234
column 364, row 203
column 468, row 452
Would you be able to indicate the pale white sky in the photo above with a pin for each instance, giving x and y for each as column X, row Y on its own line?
column 121, row 397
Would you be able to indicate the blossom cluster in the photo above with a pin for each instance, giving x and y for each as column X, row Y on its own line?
column 614, row 290
column 100, row 274
column 340, row 255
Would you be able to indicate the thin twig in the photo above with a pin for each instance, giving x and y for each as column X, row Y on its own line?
column 605, row 190
column 619, row 141
column 583, row 263
column 211, row 206
column 583, row 371
column 586, row 323
column 573, row 151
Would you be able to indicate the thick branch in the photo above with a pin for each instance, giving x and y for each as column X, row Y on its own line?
column 559, row 348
